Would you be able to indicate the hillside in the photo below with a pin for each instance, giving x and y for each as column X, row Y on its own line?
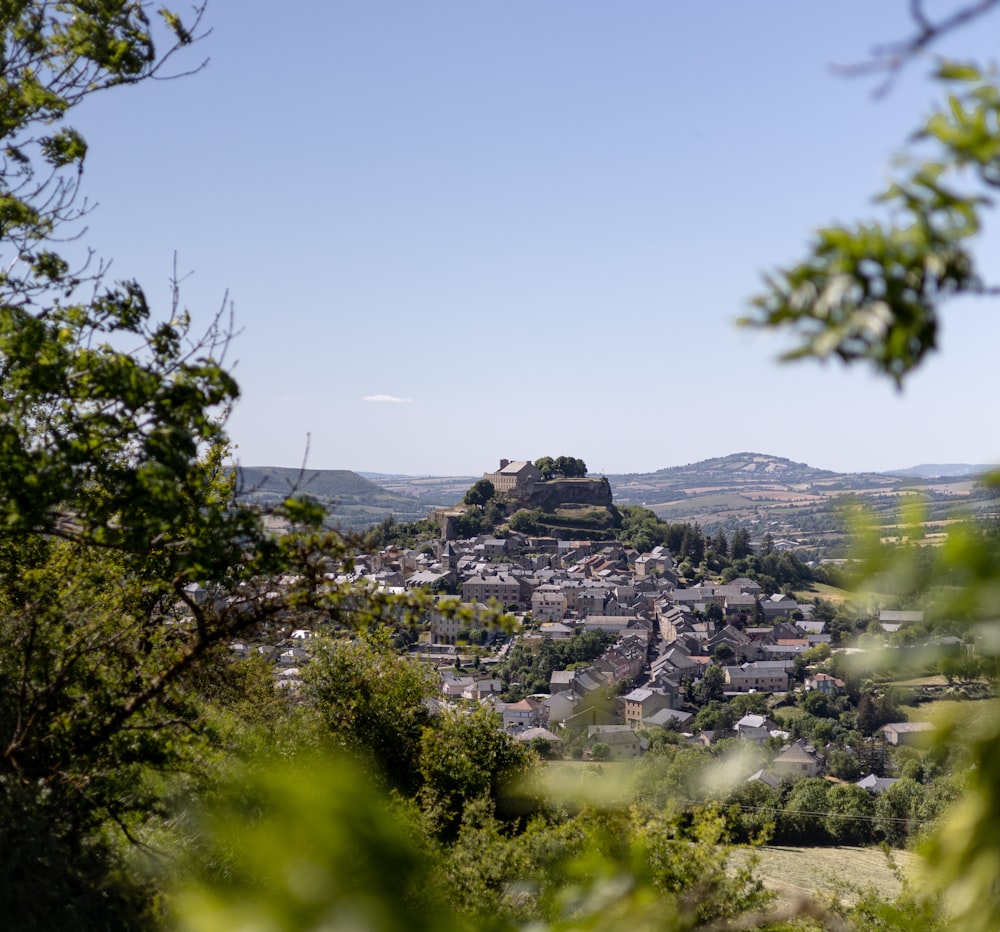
column 353, row 502
column 794, row 500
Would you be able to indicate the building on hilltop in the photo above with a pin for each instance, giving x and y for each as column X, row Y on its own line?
column 518, row 477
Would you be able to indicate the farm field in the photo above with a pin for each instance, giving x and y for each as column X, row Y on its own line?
column 796, row 873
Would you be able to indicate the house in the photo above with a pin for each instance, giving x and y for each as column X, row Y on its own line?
column 560, row 706
column 641, row 703
column 908, row 733
column 789, row 650
column 765, row 777
column 293, row 657
column 518, row 716
column 667, row 718
column 894, row 620
column 502, row 587
column 755, row 727
column 778, row 606
column 825, row 683
column 428, row 579
column 555, row 631
column 798, row 760
column 543, row 734
column 622, row 739
column 560, row 680
column 759, row 676
column 445, row 625
column 483, row 688
column 615, row 624
column 549, row 603
column 875, row 784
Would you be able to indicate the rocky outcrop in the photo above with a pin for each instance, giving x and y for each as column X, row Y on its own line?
column 555, row 492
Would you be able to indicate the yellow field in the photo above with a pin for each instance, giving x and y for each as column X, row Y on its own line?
column 795, row 873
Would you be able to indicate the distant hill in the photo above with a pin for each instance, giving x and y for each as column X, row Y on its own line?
column 353, row 502
column 792, row 500
column 754, row 476
column 439, row 491
column 938, row 470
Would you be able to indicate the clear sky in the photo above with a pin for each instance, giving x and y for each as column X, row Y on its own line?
column 459, row 230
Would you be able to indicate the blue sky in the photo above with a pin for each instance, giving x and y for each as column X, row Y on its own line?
column 459, row 231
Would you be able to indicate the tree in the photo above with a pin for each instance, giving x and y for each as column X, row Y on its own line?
column 373, row 703
column 897, row 811
column 569, row 467
column 479, row 494
column 464, row 758
column 818, row 703
column 723, row 654
column 525, row 521
column 601, row 751
column 126, row 561
column 740, row 547
column 851, row 810
column 711, row 686
column 804, row 814
column 546, row 466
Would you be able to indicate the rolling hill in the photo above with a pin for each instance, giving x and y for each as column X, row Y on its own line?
column 353, row 502
column 796, row 501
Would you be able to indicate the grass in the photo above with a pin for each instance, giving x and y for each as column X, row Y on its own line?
column 796, row 873
column 966, row 714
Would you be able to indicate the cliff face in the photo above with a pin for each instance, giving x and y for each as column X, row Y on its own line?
column 550, row 495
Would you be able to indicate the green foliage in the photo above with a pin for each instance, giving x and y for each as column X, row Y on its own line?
column 802, row 821
column 753, row 810
column 641, row 529
column 303, row 845
column 710, row 688
column 114, row 499
column 532, row 667
column 850, row 811
column 466, row 757
column 526, row 521
column 53, row 877
column 374, row 704
column 569, row 467
column 479, row 494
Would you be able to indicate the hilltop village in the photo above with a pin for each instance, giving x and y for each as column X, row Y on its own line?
column 590, row 649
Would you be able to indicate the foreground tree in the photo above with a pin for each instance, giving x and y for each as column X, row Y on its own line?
column 873, row 293
column 125, row 560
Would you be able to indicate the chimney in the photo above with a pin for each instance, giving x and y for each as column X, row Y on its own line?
column 504, row 464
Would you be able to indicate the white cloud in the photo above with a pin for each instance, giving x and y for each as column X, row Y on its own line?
column 389, row 398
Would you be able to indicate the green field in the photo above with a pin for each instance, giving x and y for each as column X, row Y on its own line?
column 967, row 715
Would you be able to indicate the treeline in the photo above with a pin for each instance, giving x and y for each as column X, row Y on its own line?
column 567, row 467
column 808, row 811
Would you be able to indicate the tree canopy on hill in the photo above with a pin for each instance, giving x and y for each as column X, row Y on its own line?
column 568, row 467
